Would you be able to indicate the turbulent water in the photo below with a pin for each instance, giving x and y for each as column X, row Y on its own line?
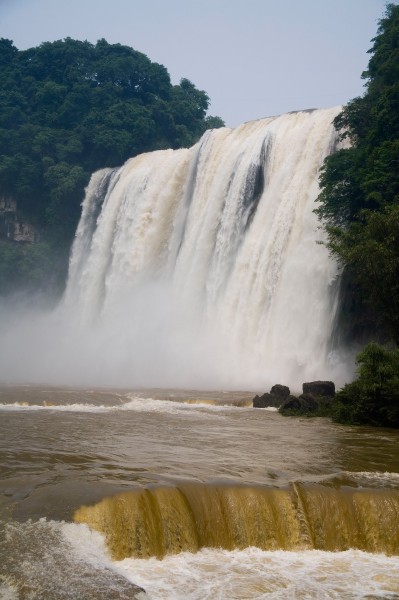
column 196, row 268
column 200, row 269
column 191, row 495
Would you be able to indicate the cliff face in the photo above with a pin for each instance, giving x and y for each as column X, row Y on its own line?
column 12, row 226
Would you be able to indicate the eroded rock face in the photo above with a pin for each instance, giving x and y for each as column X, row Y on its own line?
column 275, row 398
column 12, row 226
column 280, row 391
column 264, row 401
column 306, row 403
column 319, row 388
column 291, row 403
column 315, row 401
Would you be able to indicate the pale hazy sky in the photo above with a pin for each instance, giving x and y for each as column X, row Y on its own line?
column 254, row 58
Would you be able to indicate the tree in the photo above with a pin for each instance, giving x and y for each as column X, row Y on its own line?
column 359, row 199
column 374, row 397
column 68, row 108
column 371, row 247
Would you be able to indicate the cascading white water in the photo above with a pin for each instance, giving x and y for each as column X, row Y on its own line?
column 204, row 262
column 200, row 267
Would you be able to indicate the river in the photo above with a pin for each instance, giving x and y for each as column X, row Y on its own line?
column 192, row 495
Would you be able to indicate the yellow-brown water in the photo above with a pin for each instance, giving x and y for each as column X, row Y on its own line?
column 240, row 502
column 155, row 522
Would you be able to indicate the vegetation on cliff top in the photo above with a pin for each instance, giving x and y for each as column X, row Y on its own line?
column 359, row 200
column 359, row 206
column 68, row 108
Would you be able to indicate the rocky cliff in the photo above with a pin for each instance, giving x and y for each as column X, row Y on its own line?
column 12, row 226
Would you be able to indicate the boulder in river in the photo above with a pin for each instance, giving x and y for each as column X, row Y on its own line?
column 316, row 399
column 325, row 389
column 306, row 403
column 280, row 391
column 264, row 401
column 278, row 394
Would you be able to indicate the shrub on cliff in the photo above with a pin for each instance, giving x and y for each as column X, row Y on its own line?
column 373, row 398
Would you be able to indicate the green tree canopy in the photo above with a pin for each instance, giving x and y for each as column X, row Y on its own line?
column 68, row 108
column 359, row 199
column 373, row 397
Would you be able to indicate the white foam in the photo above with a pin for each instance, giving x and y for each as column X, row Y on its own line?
column 255, row 574
column 22, row 406
column 89, row 545
column 171, row 406
column 375, row 479
column 7, row 592
column 135, row 404
column 53, row 559
column 214, row 574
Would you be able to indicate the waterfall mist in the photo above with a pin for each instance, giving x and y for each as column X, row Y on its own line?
column 195, row 268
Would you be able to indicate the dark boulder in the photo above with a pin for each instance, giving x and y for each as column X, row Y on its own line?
column 265, row 401
column 278, row 394
column 308, row 403
column 305, row 404
column 281, row 392
column 325, row 389
column 290, row 404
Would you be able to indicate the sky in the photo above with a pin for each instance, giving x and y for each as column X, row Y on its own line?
column 254, row 58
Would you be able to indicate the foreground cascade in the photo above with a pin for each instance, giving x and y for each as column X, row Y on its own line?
column 160, row 521
column 204, row 262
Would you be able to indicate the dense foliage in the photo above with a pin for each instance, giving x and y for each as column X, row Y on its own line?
column 30, row 267
column 373, row 398
column 68, row 108
column 359, row 206
column 359, row 200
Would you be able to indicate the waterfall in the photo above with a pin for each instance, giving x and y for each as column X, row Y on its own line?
column 203, row 264
column 199, row 268
column 168, row 520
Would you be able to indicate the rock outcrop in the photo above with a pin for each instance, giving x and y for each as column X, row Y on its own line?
column 305, row 404
column 280, row 391
column 264, row 401
column 278, row 394
column 12, row 227
column 325, row 389
column 315, row 401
